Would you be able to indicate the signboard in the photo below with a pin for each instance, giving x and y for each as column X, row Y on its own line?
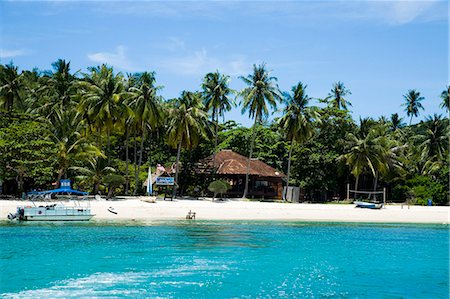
column 165, row 181
column 64, row 184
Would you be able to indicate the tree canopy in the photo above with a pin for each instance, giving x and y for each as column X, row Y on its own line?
column 54, row 124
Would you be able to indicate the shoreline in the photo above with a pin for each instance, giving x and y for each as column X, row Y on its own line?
column 141, row 210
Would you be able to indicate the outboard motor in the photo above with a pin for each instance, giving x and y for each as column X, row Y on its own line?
column 19, row 215
column 12, row 216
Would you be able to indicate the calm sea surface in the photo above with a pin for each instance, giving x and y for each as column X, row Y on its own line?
column 224, row 260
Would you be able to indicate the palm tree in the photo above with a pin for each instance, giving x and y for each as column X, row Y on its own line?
column 337, row 95
column 94, row 172
column 262, row 90
column 412, row 104
column 188, row 122
column 396, row 122
column 128, row 120
column 67, row 129
column 62, row 81
column 366, row 124
column 370, row 151
column 10, row 86
column 146, row 106
column 33, row 85
column 445, row 96
column 434, row 142
column 391, row 150
column 216, row 94
column 58, row 90
column 297, row 121
column 103, row 100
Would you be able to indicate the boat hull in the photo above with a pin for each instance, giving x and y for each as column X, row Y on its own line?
column 58, row 218
column 368, row 205
column 54, row 213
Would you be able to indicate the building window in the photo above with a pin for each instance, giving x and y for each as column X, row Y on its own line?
column 265, row 186
column 261, row 185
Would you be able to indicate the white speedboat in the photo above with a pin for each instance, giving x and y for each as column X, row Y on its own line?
column 54, row 211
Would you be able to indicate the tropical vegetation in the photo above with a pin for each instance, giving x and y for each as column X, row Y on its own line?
column 99, row 127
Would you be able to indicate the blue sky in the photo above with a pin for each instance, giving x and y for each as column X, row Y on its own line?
column 379, row 49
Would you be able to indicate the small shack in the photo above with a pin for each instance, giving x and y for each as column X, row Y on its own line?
column 264, row 180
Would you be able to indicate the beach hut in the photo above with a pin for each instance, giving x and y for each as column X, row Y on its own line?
column 264, row 180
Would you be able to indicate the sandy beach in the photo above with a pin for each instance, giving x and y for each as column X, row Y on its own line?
column 143, row 210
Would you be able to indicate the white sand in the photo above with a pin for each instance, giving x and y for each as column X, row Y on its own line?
column 135, row 209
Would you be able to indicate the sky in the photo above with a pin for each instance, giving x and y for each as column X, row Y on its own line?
column 379, row 49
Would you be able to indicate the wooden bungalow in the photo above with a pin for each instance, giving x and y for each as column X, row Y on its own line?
column 264, row 180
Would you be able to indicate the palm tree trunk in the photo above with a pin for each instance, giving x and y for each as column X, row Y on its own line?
column 140, row 156
column 288, row 170
column 135, row 161
column 10, row 102
column 127, row 179
column 20, row 184
column 60, row 174
column 99, row 138
column 96, row 187
column 375, row 182
column 215, row 143
column 175, row 187
column 150, row 156
column 110, row 192
column 108, row 132
column 249, row 158
column 410, row 120
column 356, row 183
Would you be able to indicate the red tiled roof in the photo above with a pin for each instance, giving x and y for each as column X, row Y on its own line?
column 229, row 162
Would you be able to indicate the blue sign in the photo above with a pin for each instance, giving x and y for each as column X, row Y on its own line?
column 64, row 184
column 165, row 181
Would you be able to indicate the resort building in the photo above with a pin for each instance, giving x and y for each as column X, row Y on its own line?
column 264, row 180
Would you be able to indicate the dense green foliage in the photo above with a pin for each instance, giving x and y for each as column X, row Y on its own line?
column 113, row 181
column 103, row 130
column 218, row 187
column 26, row 154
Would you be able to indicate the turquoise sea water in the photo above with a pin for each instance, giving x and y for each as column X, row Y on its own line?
column 224, row 260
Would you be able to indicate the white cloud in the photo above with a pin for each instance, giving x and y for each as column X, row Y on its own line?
column 239, row 66
column 171, row 44
column 117, row 59
column 402, row 12
column 171, row 9
column 192, row 64
column 200, row 63
column 391, row 12
column 175, row 44
column 4, row 53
